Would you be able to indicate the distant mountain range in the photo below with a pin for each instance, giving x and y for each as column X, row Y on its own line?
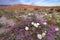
column 25, row 6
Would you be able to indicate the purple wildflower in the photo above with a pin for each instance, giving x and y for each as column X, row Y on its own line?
column 52, row 29
column 33, row 28
column 48, row 33
column 23, row 20
column 29, row 25
column 48, row 38
column 17, row 36
column 36, row 32
column 21, row 30
column 26, row 34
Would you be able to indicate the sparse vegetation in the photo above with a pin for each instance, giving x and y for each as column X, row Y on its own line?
column 36, row 9
column 1, row 25
column 58, row 10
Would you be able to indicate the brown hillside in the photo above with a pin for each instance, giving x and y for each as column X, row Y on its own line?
column 25, row 6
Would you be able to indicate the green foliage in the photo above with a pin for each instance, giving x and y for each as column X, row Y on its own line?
column 58, row 38
column 58, row 23
column 1, row 25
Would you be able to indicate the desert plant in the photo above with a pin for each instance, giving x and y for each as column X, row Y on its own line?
column 36, row 9
column 58, row 10
column 1, row 25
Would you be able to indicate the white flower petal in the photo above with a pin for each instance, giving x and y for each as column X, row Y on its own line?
column 45, row 23
column 35, row 25
column 43, row 34
column 57, row 29
column 39, row 36
column 26, row 28
column 38, row 24
column 32, row 23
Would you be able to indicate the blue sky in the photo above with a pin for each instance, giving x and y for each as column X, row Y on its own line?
column 32, row 2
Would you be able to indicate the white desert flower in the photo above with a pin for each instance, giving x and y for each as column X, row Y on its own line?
column 26, row 28
column 38, row 24
column 45, row 23
column 35, row 25
column 50, row 15
column 30, row 14
column 32, row 23
column 45, row 13
column 57, row 29
column 39, row 36
column 45, row 31
column 43, row 34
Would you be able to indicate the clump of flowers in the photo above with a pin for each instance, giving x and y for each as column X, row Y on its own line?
column 33, row 28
